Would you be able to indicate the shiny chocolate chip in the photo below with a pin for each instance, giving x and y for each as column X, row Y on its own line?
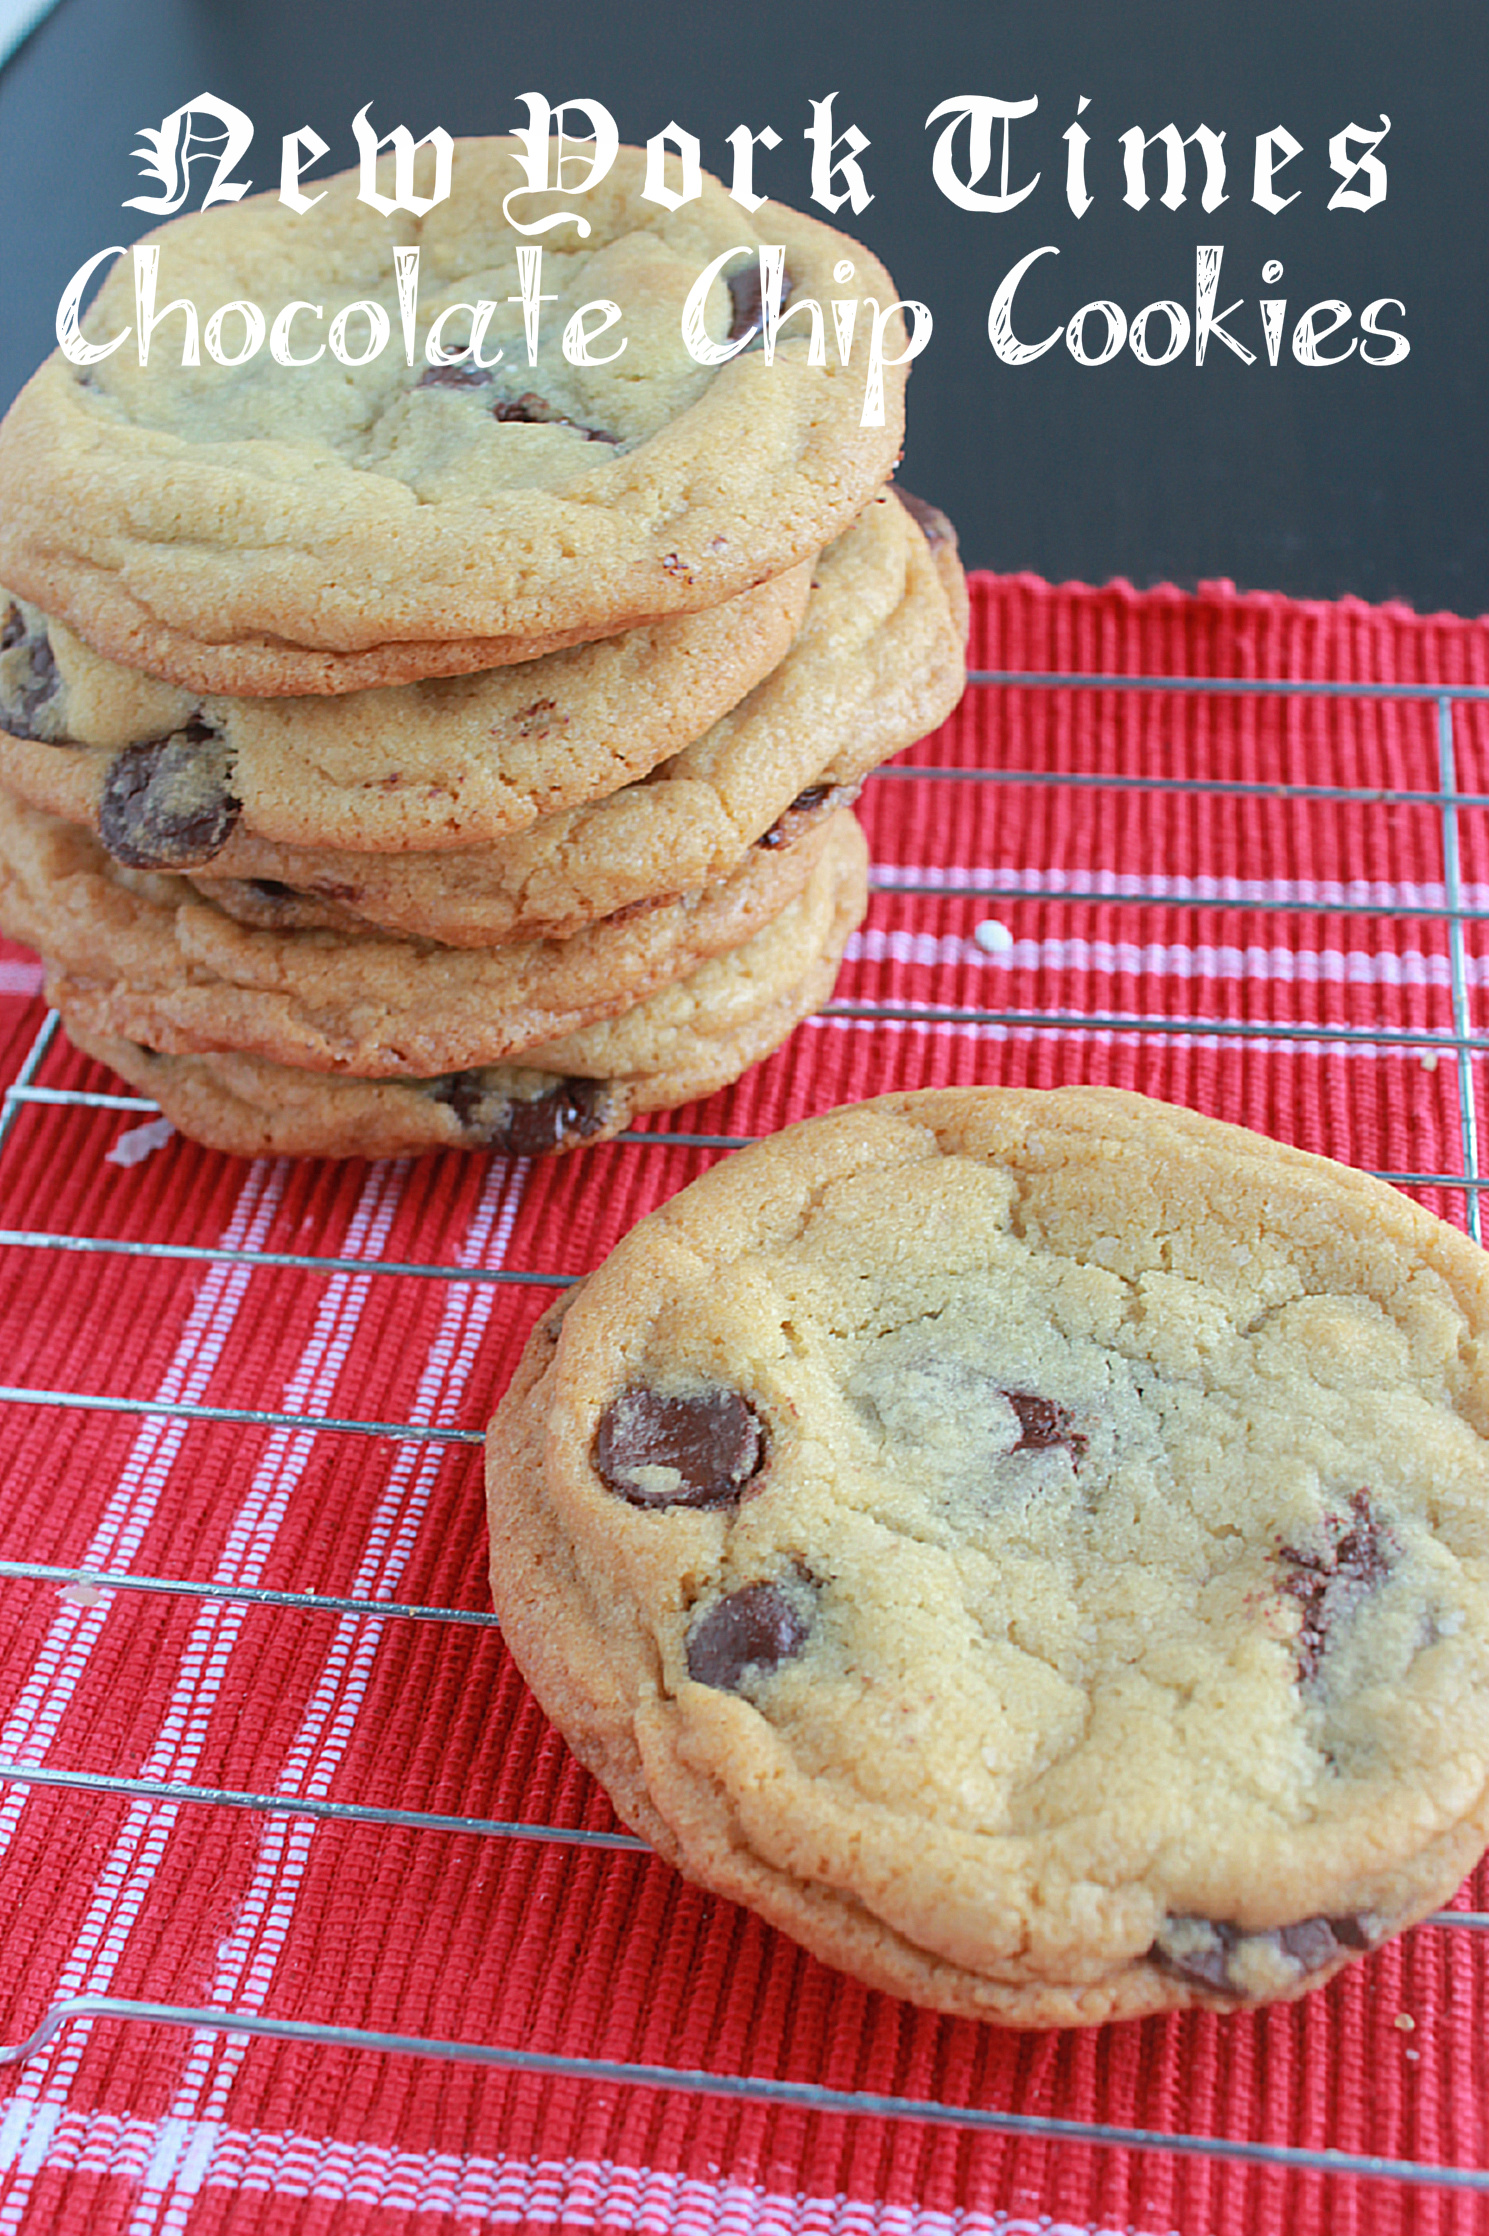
column 1330, row 1580
column 1045, row 1426
column 808, row 807
column 750, row 1633
column 168, row 803
column 699, row 1450
column 1205, row 1950
column 932, row 523
column 570, row 1110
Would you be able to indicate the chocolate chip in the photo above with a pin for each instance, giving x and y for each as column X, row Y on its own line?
column 464, row 373
column 29, row 681
column 527, row 410
column 168, row 803
column 571, row 1110
column 271, row 889
column 1044, row 1426
column 1205, row 1950
column 699, row 1450
column 745, row 296
column 1330, row 1582
column 1196, row 1949
column 466, row 1093
column 531, row 410
column 807, row 807
column 752, row 1631
column 1315, row 1942
column 933, row 524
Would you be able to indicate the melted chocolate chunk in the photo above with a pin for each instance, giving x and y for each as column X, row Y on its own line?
column 1044, row 1426
column 30, row 680
column 1356, row 1558
column 744, row 294
column 754, row 1630
column 933, row 524
column 807, row 807
column 1204, row 1949
column 465, row 373
column 570, row 1111
column 531, row 410
column 168, row 803
column 699, row 1451
column 746, row 297
column 528, row 410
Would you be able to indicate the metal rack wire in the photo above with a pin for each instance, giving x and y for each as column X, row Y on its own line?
column 1459, row 1042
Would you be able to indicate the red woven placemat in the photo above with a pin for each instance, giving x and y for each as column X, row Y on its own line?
column 244, row 1795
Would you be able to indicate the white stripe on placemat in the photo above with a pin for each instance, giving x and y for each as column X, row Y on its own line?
column 123, row 1884
column 1018, row 884
column 496, row 2192
column 1286, row 966
column 264, row 1911
column 133, row 1505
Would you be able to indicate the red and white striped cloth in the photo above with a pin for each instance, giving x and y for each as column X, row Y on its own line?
column 1305, row 1003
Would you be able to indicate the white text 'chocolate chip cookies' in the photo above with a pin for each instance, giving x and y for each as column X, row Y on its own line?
column 456, row 745
column 1031, row 1546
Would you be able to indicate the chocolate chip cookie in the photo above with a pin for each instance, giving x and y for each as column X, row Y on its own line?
column 141, row 956
column 682, row 1043
column 1033, row 1547
column 175, row 778
column 264, row 528
column 877, row 663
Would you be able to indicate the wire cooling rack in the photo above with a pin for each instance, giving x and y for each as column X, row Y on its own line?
column 1441, row 1039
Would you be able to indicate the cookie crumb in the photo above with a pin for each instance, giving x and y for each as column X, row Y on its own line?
column 1404, row 2023
column 140, row 1142
column 992, row 937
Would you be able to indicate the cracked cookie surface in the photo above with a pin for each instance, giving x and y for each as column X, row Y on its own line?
column 1034, row 1547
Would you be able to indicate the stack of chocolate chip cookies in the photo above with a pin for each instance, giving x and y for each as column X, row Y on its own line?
column 458, row 751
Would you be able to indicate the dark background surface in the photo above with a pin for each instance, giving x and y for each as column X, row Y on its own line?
column 1315, row 481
